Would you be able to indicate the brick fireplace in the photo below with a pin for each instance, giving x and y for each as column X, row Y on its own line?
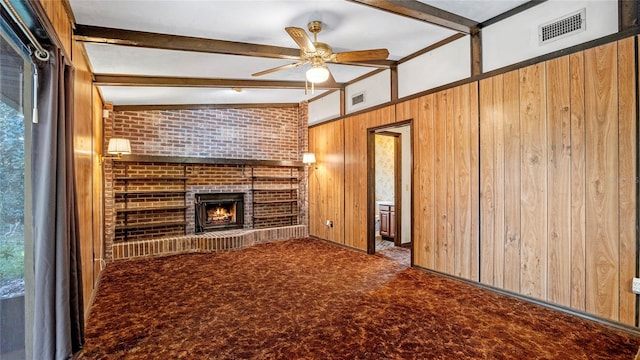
column 277, row 134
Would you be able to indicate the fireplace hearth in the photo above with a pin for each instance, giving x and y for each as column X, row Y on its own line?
column 219, row 211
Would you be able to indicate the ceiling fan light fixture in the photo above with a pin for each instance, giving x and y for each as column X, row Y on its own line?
column 318, row 74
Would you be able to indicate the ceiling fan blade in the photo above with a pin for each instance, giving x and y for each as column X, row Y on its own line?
column 301, row 38
column 278, row 68
column 361, row 55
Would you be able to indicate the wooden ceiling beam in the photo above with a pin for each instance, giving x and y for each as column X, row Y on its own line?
column 103, row 35
column 137, row 80
column 421, row 11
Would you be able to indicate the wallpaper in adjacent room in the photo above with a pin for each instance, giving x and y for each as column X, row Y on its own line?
column 384, row 167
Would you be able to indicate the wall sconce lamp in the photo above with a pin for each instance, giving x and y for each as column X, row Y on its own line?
column 117, row 147
column 308, row 158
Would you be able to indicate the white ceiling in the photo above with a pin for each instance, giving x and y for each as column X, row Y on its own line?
column 346, row 26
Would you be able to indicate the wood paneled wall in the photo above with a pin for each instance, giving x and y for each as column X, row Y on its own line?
column 85, row 156
column 326, row 181
column 356, row 182
column 84, row 161
column 557, row 179
column 58, row 17
column 446, row 180
column 525, row 181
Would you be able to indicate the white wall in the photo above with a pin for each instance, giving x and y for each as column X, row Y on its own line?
column 376, row 89
column 515, row 39
column 440, row 66
column 325, row 108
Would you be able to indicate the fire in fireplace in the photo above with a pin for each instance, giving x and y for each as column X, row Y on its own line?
column 219, row 211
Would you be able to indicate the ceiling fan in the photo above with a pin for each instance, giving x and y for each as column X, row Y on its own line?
column 318, row 53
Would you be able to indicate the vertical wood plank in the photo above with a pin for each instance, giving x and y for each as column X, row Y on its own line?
column 356, row 181
column 559, row 180
column 98, row 188
column 498, row 181
column 578, row 159
column 440, row 131
column 326, row 181
column 450, row 177
column 407, row 110
column 313, row 208
column 487, row 212
column 533, row 182
column 462, row 179
column 512, row 164
column 428, row 182
column 627, row 176
column 84, row 161
column 474, row 143
column 424, row 215
column 602, row 229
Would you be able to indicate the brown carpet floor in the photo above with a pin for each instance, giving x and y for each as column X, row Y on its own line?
column 307, row 299
column 398, row 254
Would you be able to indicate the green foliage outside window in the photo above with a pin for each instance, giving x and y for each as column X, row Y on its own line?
column 11, row 195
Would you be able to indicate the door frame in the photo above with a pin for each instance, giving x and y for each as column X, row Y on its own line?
column 397, row 182
column 371, row 177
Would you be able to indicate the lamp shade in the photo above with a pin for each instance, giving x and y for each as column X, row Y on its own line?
column 308, row 158
column 119, row 146
column 318, row 74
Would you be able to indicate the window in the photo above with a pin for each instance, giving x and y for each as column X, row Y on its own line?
column 15, row 242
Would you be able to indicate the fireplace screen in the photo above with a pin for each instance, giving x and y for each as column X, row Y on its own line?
column 219, row 211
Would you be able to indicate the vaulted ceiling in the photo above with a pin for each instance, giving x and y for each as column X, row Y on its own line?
column 169, row 52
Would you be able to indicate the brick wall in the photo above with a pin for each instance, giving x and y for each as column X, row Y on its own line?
column 242, row 133
column 255, row 133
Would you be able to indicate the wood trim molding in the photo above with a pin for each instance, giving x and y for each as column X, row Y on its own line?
column 202, row 106
column 421, row 11
column 510, row 13
column 141, row 80
column 203, row 160
column 628, row 14
column 431, row 47
column 69, row 11
column 326, row 93
column 367, row 75
column 96, row 34
column 394, row 83
column 476, row 52
column 584, row 46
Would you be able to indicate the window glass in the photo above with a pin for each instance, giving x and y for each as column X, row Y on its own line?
column 15, row 72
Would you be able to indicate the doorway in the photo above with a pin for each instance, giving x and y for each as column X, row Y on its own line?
column 389, row 198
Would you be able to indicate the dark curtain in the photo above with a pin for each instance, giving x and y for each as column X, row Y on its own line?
column 58, row 329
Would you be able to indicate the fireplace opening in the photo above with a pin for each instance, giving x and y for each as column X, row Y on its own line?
column 219, row 211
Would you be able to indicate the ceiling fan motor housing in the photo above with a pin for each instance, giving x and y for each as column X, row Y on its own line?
column 322, row 50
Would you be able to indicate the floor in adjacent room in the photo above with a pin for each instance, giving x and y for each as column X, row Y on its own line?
column 310, row 299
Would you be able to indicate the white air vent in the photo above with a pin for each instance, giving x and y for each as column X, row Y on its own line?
column 562, row 27
column 357, row 99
